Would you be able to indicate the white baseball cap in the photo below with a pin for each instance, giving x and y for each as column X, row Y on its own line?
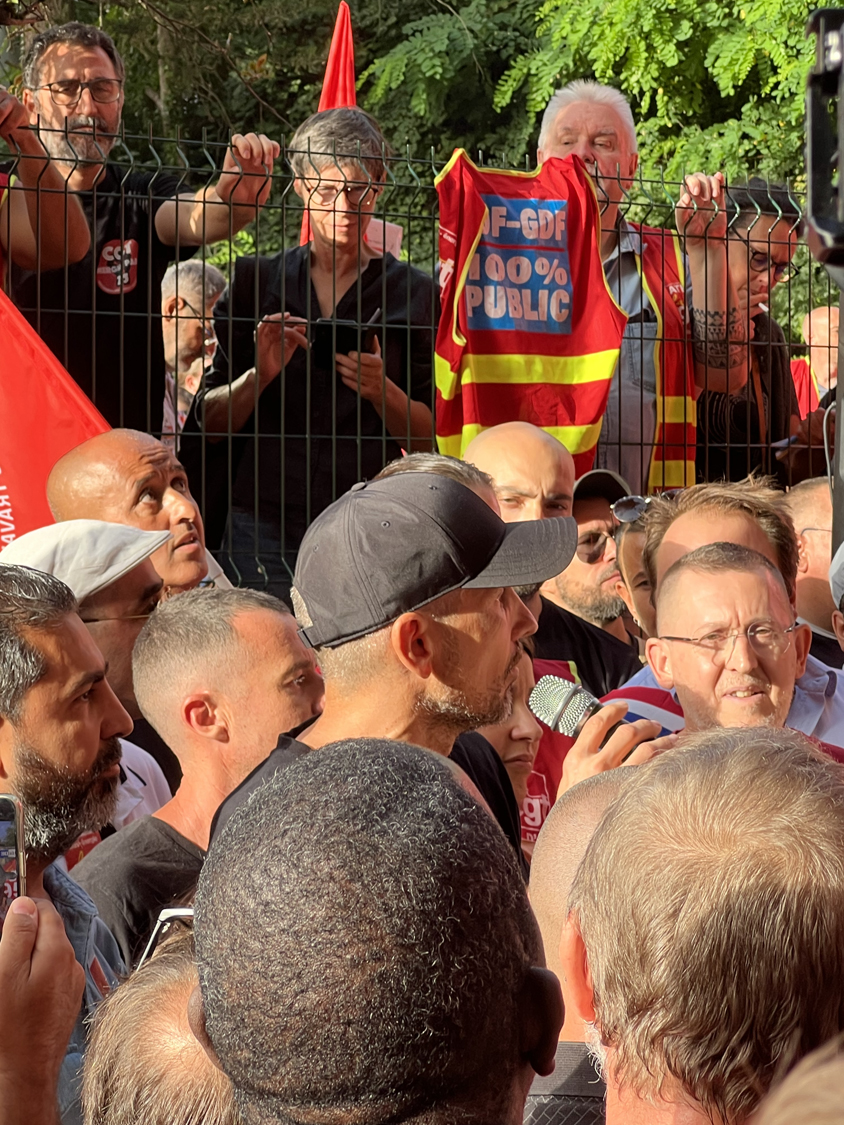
column 87, row 555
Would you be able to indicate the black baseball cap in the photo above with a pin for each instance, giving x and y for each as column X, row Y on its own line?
column 605, row 483
column 390, row 546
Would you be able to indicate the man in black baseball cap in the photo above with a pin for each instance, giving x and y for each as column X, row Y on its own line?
column 404, row 588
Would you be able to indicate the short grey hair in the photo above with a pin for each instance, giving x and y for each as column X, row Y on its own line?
column 585, row 90
column 191, row 631
column 143, row 1063
column 29, row 599
column 725, row 852
column 195, row 279
column 461, row 471
column 347, row 138
column 77, row 35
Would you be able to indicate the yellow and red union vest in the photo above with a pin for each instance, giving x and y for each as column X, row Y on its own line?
column 529, row 329
column 663, row 271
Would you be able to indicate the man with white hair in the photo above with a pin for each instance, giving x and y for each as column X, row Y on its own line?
column 686, row 305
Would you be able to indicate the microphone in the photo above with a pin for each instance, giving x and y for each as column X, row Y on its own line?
column 565, row 707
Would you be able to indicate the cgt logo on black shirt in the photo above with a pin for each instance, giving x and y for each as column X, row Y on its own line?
column 117, row 269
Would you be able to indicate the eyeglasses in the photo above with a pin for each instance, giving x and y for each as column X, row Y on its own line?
column 327, row 192
column 207, row 325
column 823, row 530
column 767, row 641
column 764, row 263
column 591, row 548
column 68, row 91
column 167, row 592
column 630, row 508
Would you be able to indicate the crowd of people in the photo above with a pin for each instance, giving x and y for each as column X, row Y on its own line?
column 299, row 846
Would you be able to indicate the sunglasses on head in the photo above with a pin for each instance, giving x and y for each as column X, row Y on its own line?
column 630, row 508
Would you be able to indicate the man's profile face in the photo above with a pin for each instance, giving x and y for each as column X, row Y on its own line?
column 187, row 326
column 92, row 126
column 740, row 684
column 150, row 490
column 477, row 659
column 588, row 584
column 61, row 756
column 282, row 676
column 597, row 134
column 114, row 617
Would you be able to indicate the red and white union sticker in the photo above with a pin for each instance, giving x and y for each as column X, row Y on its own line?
column 117, row 269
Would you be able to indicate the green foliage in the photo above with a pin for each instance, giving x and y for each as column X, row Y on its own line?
column 711, row 84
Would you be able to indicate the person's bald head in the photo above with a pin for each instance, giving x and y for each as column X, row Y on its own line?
column 820, row 331
column 532, row 471
column 561, row 845
column 125, row 476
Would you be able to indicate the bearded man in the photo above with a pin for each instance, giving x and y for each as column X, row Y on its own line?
column 59, row 754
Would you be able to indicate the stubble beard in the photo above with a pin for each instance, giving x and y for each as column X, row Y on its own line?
column 68, row 147
column 58, row 805
column 592, row 604
column 456, row 710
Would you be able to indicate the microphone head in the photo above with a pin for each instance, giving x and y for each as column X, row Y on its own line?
column 561, row 705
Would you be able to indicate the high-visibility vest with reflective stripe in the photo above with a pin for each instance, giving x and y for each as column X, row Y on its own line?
column 805, row 385
column 529, row 329
column 663, row 272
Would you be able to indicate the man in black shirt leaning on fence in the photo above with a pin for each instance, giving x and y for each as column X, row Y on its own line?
column 97, row 315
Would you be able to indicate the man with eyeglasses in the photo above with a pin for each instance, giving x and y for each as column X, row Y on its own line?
column 728, row 642
column 189, row 292
column 140, row 221
column 736, row 431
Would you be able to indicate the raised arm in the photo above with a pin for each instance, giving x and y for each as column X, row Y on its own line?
column 217, row 212
column 38, row 212
column 719, row 331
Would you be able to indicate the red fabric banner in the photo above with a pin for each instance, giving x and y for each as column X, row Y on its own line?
column 43, row 415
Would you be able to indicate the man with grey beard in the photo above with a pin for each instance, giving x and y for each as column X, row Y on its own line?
column 59, row 754
column 140, row 221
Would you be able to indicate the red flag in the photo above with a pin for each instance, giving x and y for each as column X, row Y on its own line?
column 43, row 415
column 338, row 85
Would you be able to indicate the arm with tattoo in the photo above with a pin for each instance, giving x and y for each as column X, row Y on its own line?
column 717, row 338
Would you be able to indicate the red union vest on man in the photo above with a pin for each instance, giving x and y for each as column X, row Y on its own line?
column 529, row 329
column 663, row 271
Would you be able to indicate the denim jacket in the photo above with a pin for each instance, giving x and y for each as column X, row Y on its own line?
column 98, row 954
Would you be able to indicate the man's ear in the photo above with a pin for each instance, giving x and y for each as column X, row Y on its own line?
column 802, row 644
column 169, row 306
column 837, row 627
column 30, row 102
column 659, row 658
column 412, row 643
column 541, row 1016
column 206, row 716
column 802, row 555
column 576, row 971
column 196, row 1022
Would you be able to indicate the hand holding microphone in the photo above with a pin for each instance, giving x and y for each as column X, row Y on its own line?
column 603, row 740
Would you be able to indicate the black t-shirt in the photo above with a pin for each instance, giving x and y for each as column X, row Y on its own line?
column 115, row 355
column 471, row 752
column 134, row 874
column 332, row 437
column 827, row 650
column 602, row 661
column 573, row 1095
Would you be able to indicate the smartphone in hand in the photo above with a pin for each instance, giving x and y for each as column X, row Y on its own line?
column 12, row 855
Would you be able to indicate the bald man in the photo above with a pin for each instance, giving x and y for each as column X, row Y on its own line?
column 574, row 1091
column 816, row 375
column 125, row 476
column 532, row 471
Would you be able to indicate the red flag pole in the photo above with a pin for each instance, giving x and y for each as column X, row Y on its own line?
column 338, row 85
